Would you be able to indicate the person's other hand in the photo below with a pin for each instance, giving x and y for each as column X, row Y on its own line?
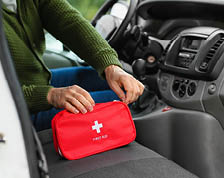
column 118, row 79
column 72, row 98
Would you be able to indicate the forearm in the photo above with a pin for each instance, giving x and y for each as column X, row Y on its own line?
column 68, row 25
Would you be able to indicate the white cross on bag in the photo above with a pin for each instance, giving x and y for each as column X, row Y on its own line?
column 97, row 126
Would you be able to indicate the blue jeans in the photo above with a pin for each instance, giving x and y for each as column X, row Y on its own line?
column 85, row 77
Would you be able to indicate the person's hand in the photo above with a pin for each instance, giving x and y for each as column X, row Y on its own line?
column 72, row 98
column 118, row 79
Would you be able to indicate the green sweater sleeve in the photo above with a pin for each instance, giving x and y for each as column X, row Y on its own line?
column 69, row 26
column 34, row 79
column 36, row 97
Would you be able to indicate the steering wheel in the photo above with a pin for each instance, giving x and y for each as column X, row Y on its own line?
column 116, row 35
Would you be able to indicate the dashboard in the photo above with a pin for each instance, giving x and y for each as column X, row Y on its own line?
column 191, row 72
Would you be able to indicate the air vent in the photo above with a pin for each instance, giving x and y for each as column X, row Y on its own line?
column 211, row 53
column 213, row 49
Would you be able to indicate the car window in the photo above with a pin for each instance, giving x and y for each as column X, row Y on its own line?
column 88, row 9
column 53, row 44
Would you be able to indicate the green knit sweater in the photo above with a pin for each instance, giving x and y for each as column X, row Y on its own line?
column 25, row 35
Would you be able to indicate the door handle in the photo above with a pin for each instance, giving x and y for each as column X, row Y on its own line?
column 2, row 138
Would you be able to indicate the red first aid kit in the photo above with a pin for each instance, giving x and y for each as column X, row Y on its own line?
column 108, row 126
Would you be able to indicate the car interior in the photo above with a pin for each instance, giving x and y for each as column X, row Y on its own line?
column 176, row 49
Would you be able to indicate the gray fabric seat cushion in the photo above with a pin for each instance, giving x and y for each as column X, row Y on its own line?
column 131, row 161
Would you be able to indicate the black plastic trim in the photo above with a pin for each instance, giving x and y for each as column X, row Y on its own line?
column 169, row 9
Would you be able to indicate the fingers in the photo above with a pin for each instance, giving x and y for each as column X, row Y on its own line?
column 78, row 105
column 133, row 89
column 80, row 99
column 86, row 95
column 118, row 79
column 71, row 108
column 136, row 93
column 141, row 88
column 129, row 88
column 117, row 89
column 73, row 99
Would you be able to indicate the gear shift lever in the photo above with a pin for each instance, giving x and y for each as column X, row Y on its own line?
column 138, row 67
column 147, row 98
